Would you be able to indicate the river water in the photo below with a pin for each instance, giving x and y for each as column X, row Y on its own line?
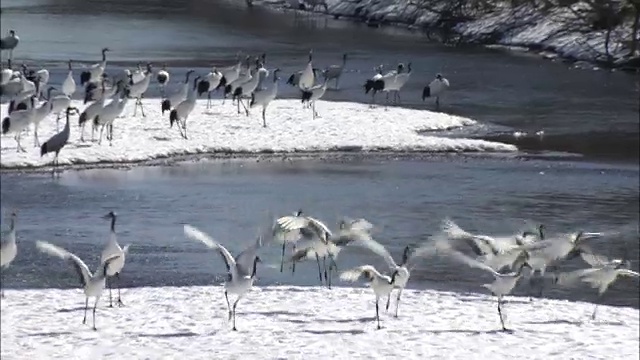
column 582, row 174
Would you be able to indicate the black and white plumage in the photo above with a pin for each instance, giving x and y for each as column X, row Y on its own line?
column 90, row 113
column 265, row 96
column 113, row 248
column 503, row 284
column 6, row 74
column 402, row 270
column 179, row 96
column 397, row 82
column 95, row 71
column 163, row 79
column 245, row 90
column 8, row 248
column 334, row 72
column 10, row 42
column 40, row 113
column 382, row 285
column 111, row 111
column 243, row 78
column 57, row 141
column 181, row 112
column 241, row 270
column 602, row 273
column 138, row 88
column 229, row 74
column 69, row 84
column 376, row 83
column 209, row 84
column 58, row 103
column 17, row 121
column 307, row 78
column 311, row 95
column 93, row 284
column 436, row 88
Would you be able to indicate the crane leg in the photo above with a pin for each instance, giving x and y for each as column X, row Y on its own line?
column 86, row 307
column 264, row 118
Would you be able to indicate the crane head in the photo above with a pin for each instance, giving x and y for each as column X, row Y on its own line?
column 12, row 32
column 110, row 215
column 72, row 109
column 104, row 50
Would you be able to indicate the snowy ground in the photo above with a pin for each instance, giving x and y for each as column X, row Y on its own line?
column 520, row 26
column 342, row 126
column 309, row 323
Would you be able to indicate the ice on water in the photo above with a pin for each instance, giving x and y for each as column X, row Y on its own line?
column 282, row 322
column 342, row 125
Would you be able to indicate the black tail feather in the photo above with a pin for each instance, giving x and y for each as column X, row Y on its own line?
column 85, row 76
column 222, row 84
column 166, row 105
column 237, row 92
column 227, row 90
column 162, row 78
column 253, row 100
column 173, row 117
column 21, row 106
column 291, row 80
column 306, row 95
column 203, row 87
column 6, row 123
column 12, row 105
column 426, row 92
column 82, row 119
column 96, row 120
column 44, row 149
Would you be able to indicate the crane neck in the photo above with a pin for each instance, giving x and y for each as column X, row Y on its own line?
column 113, row 224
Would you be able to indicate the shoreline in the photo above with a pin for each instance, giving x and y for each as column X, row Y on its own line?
column 520, row 28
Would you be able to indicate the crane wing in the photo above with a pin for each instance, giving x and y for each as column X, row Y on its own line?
column 195, row 234
column 81, row 268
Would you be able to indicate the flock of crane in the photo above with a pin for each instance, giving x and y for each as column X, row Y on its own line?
column 504, row 257
column 246, row 82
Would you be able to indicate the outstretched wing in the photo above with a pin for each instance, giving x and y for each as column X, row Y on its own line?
column 472, row 262
column 245, row 259
column 380, row 250
column 354, row 274
column 79, row 266
column 198, row 235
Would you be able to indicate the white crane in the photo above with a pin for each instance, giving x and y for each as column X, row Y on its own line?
column 58, row 103
column 307, row 78
column 57, row 141
column 179, row 96
column 245, row 90
column 311, row 95
column 378, row 82
column 181, row 112
column 230, row 74
column 8, row 248
column 69, row 84
column 16, row 122
column 309, row 227
column 9, row 43
column 503, row 283
column 92, row 111
column 241, row 270
column 93, row 284
column 42, row 78
column 6, row 74
column 163, row 79
column 401, row 271
column 95, row 91
column 382, row 285
column 95, row 71
column 110, row 112
column 261, row 71
column 231, row 87
column 397, row 82
column 265, row 97
column 209, row 83
column 41, row 112
column 601, row 275
column 138, row 88
column 294, row 79
column 113, row 248
column 334, row 72
column 436, row 88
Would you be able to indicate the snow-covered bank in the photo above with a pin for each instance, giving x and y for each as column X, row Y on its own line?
column 564, row 31
column 291, row 128
column 309, row 323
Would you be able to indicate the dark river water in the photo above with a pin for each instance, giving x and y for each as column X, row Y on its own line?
column 590, row 115
column 231, row 200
